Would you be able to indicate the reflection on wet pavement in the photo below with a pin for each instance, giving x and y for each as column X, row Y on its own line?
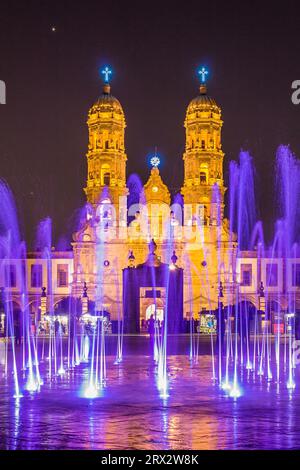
column 130, row 414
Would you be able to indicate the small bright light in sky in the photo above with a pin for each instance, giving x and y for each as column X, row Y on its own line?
column 203, row 72
column 106, row 72
column 155, row 161
column 53, row 29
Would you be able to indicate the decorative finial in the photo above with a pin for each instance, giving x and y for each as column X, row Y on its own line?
column 106, row 72
column 131, row 255
column 152, row 246
column 261, row 289
column 84, row 290
column 221, row 289
column 203, row 72
column 43, row 294
column 155, row 160
column 131, row 259
column 174, row 258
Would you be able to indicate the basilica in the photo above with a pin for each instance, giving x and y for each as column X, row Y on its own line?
column 193, row 237
column 159, row 253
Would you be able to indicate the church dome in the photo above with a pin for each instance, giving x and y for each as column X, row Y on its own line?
column 202, row 103
column 106, row 104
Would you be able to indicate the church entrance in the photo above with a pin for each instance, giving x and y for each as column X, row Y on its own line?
column 152, row 302
column 158, row 313
column 152, row 289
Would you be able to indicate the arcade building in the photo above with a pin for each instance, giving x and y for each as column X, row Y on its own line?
column 162, row 252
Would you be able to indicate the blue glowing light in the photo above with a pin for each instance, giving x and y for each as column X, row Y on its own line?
column 203, row 72
column 155, row 161
column 106, row 72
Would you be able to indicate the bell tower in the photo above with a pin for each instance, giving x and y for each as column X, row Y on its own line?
column 106, row 157
column 203, row 187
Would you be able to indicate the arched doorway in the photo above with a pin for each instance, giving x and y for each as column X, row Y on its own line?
column 151, row 305
column 12, row 319
column 157, row 312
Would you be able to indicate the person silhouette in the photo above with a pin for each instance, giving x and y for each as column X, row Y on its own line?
column 151, row 323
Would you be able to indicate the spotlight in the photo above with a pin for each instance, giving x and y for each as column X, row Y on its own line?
column 91, row 392
column 291, row 384
column 235, row 392
column 31, row 385
column 225, row 386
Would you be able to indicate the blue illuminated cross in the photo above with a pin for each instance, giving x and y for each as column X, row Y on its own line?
column 203, row 72
column 106, row 72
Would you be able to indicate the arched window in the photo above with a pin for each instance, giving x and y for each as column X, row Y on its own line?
column 105, row 175
column 106, row 179
column 105, row 209
column 203, row 177
column 105, row 214
column 205, row 212
column 203, row 174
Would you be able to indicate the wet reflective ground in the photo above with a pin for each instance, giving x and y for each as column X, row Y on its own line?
column 130, row 414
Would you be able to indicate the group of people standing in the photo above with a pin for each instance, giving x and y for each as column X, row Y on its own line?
column 242, row 321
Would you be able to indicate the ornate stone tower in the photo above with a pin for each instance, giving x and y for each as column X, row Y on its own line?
column 157, row 197
column 209, row 247
column 106, row 157
column 203, row 158
column 100, row 245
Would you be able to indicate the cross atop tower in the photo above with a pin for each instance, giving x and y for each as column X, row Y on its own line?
column 203, row 72
column 106, row 72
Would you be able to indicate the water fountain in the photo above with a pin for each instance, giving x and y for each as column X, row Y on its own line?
column 245, row 350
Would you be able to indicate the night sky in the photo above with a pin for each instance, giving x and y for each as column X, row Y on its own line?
column 52, row 78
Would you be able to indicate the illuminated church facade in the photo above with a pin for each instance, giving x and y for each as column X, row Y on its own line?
column 193, row 237
column 118, row 245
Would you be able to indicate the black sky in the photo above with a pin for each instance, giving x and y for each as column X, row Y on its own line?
column 154, row 48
